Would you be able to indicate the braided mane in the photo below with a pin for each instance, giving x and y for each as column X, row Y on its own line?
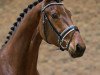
column 19, row 19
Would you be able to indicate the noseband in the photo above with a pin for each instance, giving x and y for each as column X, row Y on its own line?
column 61, row 36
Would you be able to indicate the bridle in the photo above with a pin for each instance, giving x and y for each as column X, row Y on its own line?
column 61, row 36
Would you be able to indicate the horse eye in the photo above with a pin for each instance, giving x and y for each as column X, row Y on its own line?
column 54, row 16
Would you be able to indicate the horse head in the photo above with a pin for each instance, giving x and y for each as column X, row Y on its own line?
column 56, row 27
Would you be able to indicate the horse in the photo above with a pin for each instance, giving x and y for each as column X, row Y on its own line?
column 45, row 20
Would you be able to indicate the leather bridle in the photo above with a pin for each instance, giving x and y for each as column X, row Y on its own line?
column 61, row 36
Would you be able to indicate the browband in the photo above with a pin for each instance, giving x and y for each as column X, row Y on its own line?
column 50, row 5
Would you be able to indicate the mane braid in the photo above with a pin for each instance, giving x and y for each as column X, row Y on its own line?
column 19, row 19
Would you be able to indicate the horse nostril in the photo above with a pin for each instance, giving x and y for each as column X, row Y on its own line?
column 79, row 49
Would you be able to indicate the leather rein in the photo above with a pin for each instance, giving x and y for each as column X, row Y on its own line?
column 62, row 35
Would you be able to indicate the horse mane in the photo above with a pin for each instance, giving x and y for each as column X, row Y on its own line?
column 18, row 20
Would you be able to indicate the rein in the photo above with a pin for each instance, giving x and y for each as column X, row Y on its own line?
column 61, row 36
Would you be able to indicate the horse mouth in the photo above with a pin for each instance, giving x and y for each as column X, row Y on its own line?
column 76, row 54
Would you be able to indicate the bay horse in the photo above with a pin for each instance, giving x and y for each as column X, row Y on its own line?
column 48, row 20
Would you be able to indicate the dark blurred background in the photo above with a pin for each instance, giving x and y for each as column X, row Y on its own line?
column 85, row 14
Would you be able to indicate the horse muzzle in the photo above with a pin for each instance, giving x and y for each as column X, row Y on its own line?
column 78, row 52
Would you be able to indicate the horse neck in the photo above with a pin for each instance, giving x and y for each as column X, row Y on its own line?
column 23, row 34
column 13, row 55
column 31, row 57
